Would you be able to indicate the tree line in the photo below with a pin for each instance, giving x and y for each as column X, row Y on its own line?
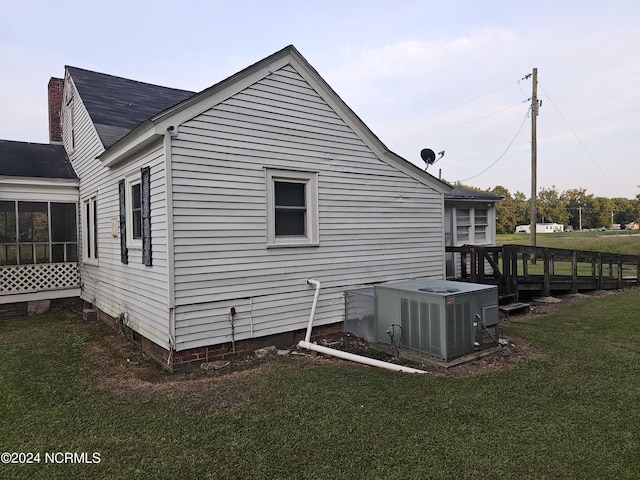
column 574, row 207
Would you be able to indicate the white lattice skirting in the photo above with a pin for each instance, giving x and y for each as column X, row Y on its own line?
column 38, row 278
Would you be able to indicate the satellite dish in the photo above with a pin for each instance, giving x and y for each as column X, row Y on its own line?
column 428, row 156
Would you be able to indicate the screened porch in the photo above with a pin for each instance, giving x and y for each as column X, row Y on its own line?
column 38, row 250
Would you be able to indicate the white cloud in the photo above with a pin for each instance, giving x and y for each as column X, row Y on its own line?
column 401, row 90
column 400, row 66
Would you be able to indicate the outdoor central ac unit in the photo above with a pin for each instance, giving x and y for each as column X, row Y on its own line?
column 441, row 318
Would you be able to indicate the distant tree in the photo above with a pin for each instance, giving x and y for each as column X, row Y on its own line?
column 565, row 207
column 511, row 211
column 577, row 200
column 523, row 208
column 551, row 208
column 599, row 215
column 506, row 214
column 636, row 208
column 624, row 210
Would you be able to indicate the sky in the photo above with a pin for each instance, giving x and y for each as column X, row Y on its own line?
column 449, row 75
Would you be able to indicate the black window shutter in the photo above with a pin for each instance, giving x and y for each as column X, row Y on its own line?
column 124, row 253
column 145, row 181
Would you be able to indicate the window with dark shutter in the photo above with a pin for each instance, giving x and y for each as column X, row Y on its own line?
column 145, row 182
column 124, row 253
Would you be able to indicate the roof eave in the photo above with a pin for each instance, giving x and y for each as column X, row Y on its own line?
column 473, row 199
column 40, row 181
column 134, row 142
column 379, row 148
column 153, row 128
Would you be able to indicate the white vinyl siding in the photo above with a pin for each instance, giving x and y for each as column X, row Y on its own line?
column 136, row 290
column 375, row 223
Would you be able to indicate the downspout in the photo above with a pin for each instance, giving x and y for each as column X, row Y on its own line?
column 168, row 179
column 307, row 345
column 443, row 212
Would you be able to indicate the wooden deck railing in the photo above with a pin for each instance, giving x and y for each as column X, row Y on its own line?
column 516, row 268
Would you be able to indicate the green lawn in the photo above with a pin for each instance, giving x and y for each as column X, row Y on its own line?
column 612, row 241
column 617, row 242
column 575, row 414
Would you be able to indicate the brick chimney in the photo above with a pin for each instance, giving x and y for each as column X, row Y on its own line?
column 56, row 86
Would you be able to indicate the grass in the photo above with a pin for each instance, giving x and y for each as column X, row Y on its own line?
column 575, row 414
column 614, row 241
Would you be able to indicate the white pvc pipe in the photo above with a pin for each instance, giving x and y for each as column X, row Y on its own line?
column 306, row 344
column 357, row 358
column 315, row 283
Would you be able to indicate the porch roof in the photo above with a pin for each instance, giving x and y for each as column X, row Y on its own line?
column 461, row 193
column 39, row 160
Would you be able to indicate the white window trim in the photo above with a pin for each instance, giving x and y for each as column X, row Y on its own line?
column 489, row 226
column 131, row 180
column 487, row 234
column 88, row 236
column 68, row 102
column 310, row 179
column 469, row 226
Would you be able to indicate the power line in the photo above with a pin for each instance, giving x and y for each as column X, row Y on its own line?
column 450, row 108
column 474, row 120
column 503, row 153
column 580, row 141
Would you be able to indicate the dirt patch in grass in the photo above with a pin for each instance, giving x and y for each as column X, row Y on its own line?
column 500, row 357
column 119, row 367
column 148, row 383
column 539, row 308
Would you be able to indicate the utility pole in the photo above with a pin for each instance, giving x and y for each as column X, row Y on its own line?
column 534, row 155
column 580, row 216
column 611, row 219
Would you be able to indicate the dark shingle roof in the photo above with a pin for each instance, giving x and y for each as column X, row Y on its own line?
column 461, row 193
column 22, row 159
column 117, row 105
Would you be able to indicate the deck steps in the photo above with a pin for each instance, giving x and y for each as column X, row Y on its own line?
column 506, row 298
column 513, row 307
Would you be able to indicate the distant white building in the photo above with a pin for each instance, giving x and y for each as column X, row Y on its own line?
column 541, row 228
column 632, row 226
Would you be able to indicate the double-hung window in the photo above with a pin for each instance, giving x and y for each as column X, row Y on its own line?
column 292, row 208
column 472, row 225
column 135, row 215
column 90, row 230
column 134, row 212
